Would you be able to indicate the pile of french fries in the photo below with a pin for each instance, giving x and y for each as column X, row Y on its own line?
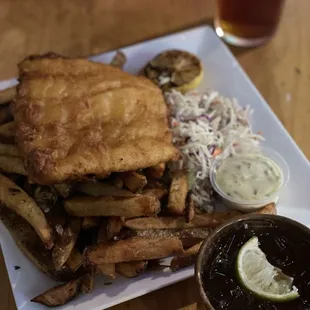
column 124, row 224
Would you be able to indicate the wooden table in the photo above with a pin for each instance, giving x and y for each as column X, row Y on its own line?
column 280, row 70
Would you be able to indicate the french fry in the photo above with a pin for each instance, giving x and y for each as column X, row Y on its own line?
column 87, row 282
column 138, row 205
column 98, row 189
column 90, row 222
column 118, row 60
column 57, row 218
column 18, row 201
column 8, row 150
column 133, row 180
column 156, row 172
column 190, row 208
column 171, row 222
column 45, row 196
column 131, row 269
column 60, row 294
column 151, row 184
column 207, row 220
column 29, row 242
column 102, row 232
column 5, row 114
column 75, row 260
column 10, row 164
column 7, row 131
column 268, row 209
column 159, row 192
column 116, row 182
column 107, row 270
column 114, row 226
column 64, row 190
column 66, row 242
column 188, row 236
column 7, row 95
column 132, row 249
column 186, row 259
column 178, row 193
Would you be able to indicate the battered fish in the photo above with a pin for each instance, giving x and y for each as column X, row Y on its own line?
column 75, row 117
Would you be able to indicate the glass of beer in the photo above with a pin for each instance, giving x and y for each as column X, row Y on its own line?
column 247, row 22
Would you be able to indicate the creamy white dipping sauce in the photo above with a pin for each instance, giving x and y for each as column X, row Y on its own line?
column 249, row 177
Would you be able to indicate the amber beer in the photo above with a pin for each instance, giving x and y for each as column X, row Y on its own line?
column 247, row 22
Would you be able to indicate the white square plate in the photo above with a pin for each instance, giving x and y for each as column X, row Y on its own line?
column 222, row 73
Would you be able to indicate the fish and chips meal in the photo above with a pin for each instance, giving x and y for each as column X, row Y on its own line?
column 105, row 173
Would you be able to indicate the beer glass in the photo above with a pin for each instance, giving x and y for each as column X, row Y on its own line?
column 247, row 22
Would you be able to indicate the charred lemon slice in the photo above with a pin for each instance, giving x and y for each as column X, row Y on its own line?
column 175, row 69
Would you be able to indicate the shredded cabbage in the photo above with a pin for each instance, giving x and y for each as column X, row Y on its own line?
column 203, row 125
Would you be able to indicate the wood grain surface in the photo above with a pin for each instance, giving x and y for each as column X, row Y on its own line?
column 280, row 70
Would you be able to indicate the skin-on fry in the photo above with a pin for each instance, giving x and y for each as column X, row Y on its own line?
column 156, row 172
column 119, row 60
column 102, row 232
column 9, row 150
column 29, row 242
column 132, row 249
column 98, row 189
column 57, row 218
column 114, row 226
column 59, row 295
column 64, row 190
column 169, row 222
column 133, row 180
column 18, row 201
column 188, row 236
column 138, row 205
column 116, row 182
column 268, row 209
column 45, row 196
column 7, row 95
column 207, row 220
column 159, row 192
column 5, row 114
column 87, row 282
column 66, row 242
column 75, row 260
column 8, row 131
column 131, row 269
column 190, row 208
column 107, row 270
column 90, row 222
column 11, row 164
column 178, row 192
column 186, row 259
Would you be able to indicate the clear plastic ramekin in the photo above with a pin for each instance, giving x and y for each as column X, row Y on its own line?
column 251, row 205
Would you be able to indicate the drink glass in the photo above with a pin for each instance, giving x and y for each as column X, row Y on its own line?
column 247, row 22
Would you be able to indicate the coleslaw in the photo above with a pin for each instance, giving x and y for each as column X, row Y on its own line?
column 205, row 125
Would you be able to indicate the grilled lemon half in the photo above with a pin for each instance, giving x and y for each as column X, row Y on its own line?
column 175, row 69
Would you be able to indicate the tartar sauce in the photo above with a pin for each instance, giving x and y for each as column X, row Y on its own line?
column 249, row 177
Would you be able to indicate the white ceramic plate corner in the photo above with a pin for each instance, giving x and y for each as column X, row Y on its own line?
column 223, row 73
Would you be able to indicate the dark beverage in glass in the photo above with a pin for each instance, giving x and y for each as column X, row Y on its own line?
column 286, row 249
column 247, row 22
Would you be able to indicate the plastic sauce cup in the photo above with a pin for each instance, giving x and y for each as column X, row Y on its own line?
column 251, row 205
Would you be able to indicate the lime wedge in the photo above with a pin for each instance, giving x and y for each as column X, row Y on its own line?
column 261, row 278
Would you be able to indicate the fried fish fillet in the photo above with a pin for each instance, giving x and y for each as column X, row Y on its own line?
column 75, row 117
